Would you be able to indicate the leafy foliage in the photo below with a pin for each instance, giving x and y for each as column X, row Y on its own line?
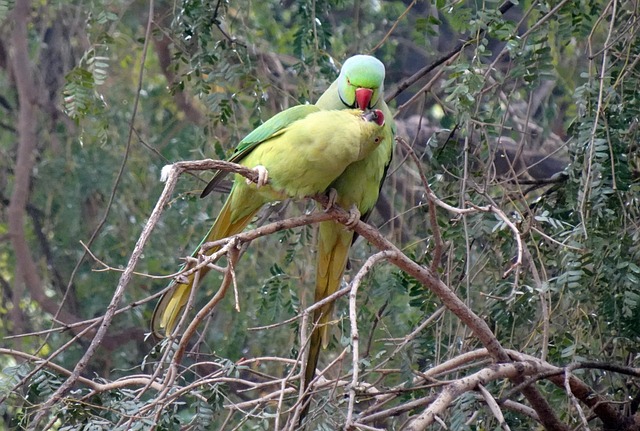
column 5, row 7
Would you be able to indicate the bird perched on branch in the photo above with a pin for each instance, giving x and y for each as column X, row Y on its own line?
column 297, row 153
column 359, row 85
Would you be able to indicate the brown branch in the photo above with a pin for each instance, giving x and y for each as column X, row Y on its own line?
column 391, row 253
column 232, row 255
column 458, row 387
column 173, row 173
column 450, row 300
column 26, row 268
column 611, row 417
column 94, row 386
column 355, row 337
column 606, row 411
column 433, row 219
column 428, row 278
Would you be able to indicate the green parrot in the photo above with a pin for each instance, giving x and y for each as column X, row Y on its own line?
column 297, row 153
column 359, row 85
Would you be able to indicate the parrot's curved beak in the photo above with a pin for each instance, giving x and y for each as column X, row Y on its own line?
column 363, row 98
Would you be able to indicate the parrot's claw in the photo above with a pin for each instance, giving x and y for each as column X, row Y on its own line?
column 332, row 196
column 354, row 217
column 263, row 176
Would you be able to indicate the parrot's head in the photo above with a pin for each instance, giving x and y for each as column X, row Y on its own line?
column 360, row 83
column 372, row 132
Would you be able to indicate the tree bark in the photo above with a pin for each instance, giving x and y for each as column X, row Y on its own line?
column 26, row 271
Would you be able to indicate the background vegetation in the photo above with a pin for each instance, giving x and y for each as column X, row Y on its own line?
column 508, row 294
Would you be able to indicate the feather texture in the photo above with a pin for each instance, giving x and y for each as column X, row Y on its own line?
column 302, row 157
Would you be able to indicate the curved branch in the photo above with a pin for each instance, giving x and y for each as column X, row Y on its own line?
column 469, row 383
column 94, row 386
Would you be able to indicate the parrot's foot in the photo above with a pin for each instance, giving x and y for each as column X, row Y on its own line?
column 332, row 195
column 263, row 176
column 354, row 217
column 182, row 279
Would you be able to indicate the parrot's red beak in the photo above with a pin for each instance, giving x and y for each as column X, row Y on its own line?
column 363, row 98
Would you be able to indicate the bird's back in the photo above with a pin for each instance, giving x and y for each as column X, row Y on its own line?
column 312, row 152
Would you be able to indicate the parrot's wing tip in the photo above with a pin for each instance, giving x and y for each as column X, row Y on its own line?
column 164, row 173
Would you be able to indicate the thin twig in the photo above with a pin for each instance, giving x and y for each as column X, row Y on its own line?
column 493, row 406
column 433, row 219
column 574, row 401
column 395, row 24
column 355, row 338
column 584, row 195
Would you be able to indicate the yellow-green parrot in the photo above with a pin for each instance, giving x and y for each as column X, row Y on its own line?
column 297, row 153
column 359, row 85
